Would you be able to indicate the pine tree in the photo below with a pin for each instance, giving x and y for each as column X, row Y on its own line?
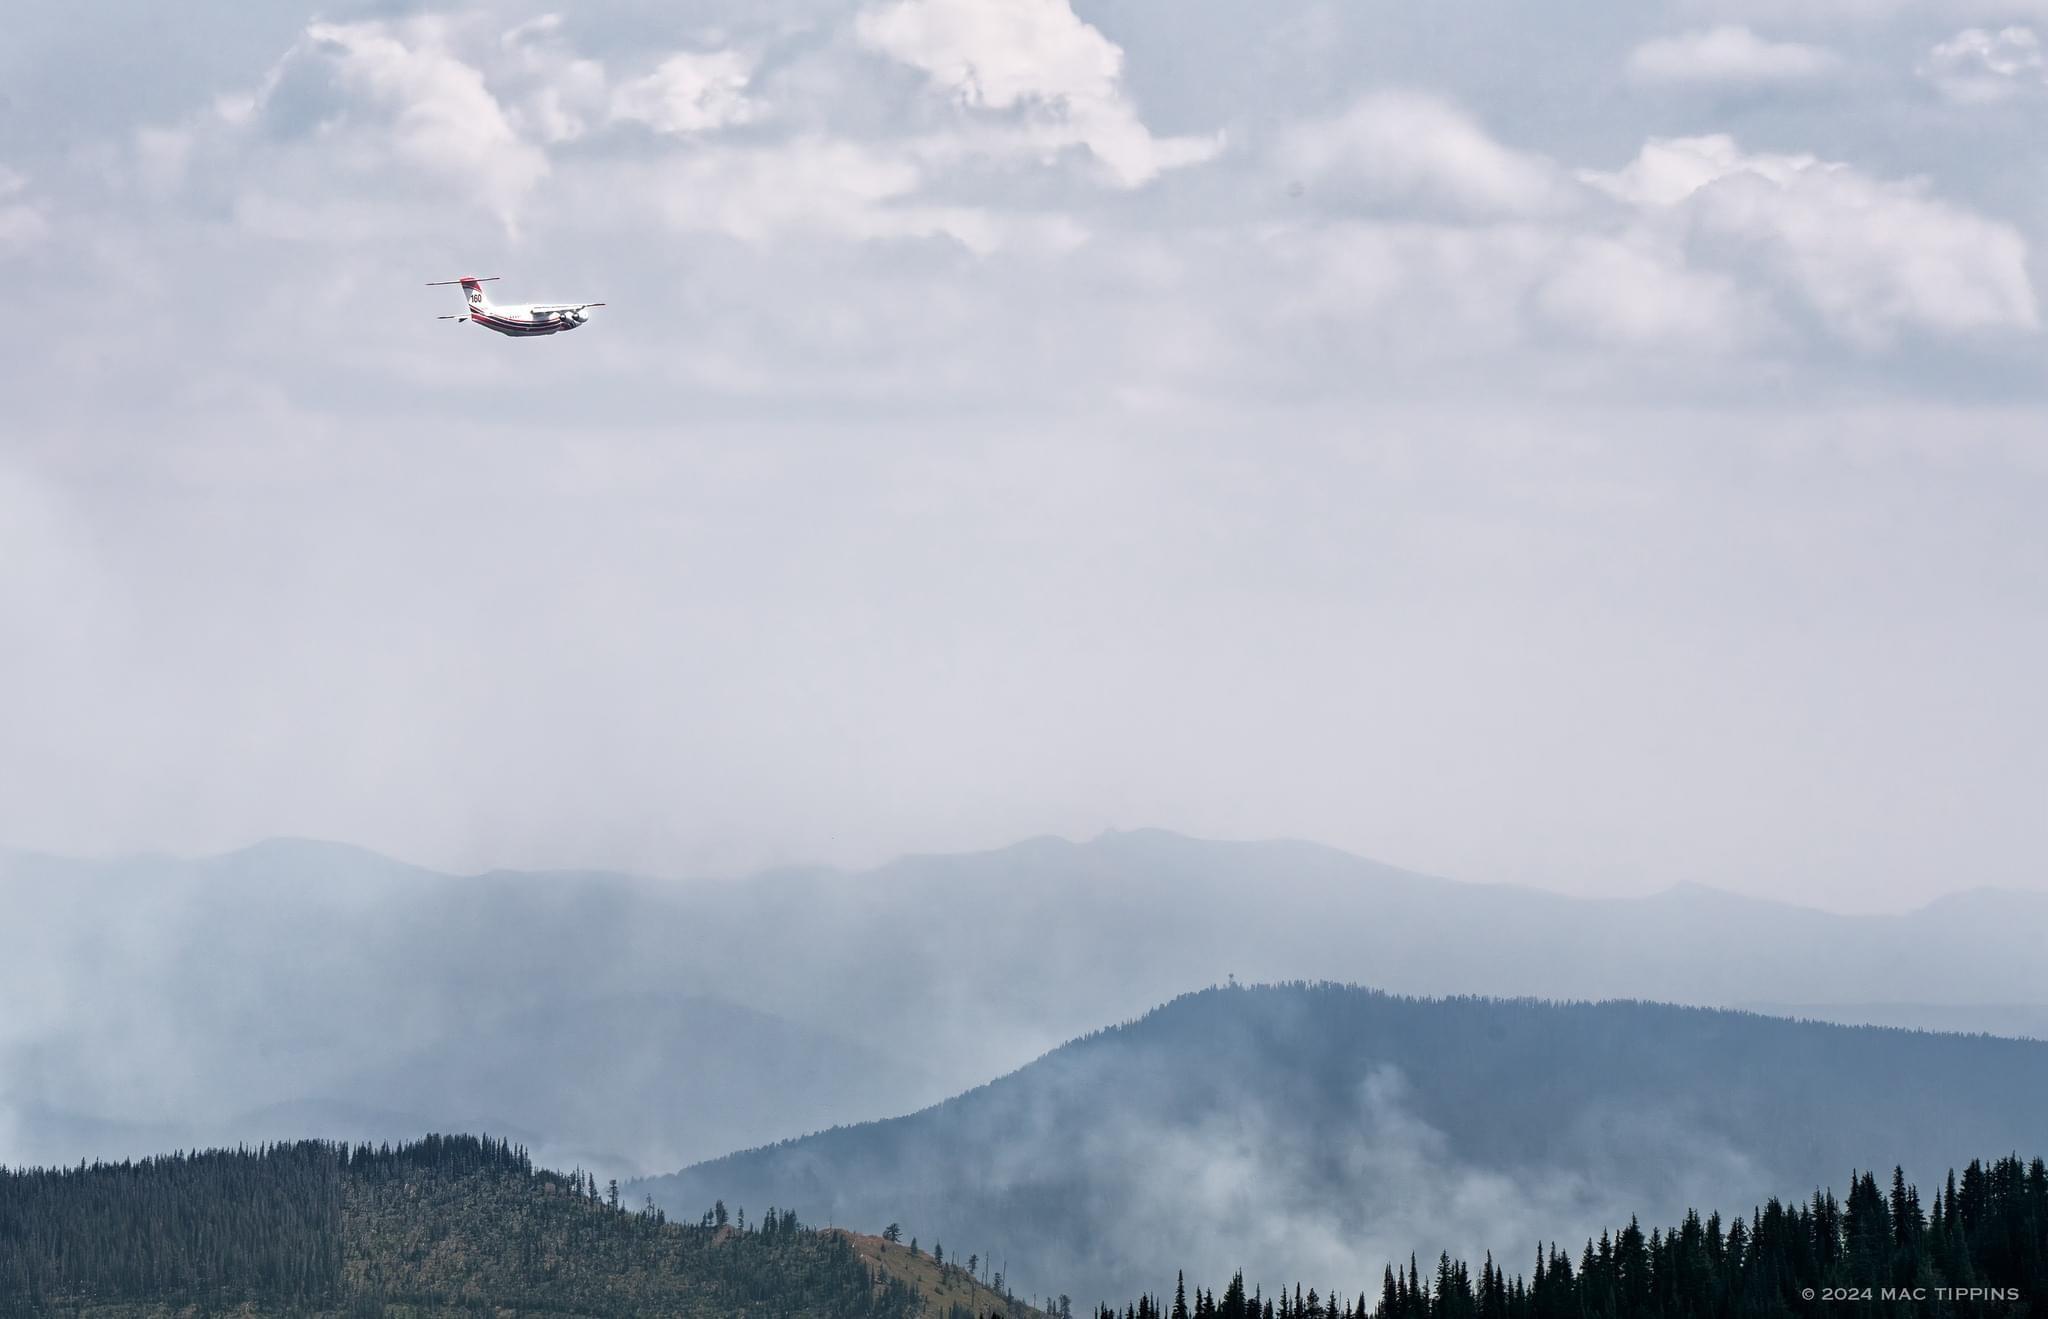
column 1233, row 1305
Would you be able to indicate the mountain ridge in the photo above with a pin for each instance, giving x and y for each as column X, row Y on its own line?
column 1353, row 1107
column 193, row 991
column 299, row 848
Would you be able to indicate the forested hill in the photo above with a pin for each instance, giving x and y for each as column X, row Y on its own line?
column 1977, row 1246
column 1316, row 1130
column 444, row 1226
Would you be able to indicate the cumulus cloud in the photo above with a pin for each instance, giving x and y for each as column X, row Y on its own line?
column 1405, row 149
column 1398, row 220
column 1977, row 66
column 1457, row 244
column 562, row 95
column 818, row 185
column 1730, row 53
column 1871, row 257
column 1635, row 288
column 1454, row 243
column 1415, row 295
column 359, row 129
column 1037, row 58
column 689, row 92
column 433, row 108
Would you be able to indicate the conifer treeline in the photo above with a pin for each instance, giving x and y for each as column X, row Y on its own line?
column 1980, row 1249
column 263, row 1221
column 448, row 1223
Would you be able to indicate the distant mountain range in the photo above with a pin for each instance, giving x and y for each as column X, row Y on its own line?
column 1318, row 1131
column 638, row 1025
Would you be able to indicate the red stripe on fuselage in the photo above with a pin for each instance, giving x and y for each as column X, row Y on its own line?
column 515, row 326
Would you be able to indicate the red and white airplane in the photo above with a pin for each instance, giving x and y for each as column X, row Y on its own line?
column 521, row 322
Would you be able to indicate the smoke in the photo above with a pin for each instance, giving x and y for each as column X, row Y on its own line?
column 310, row 989
column 1325, row 1205
column 1314, row 1132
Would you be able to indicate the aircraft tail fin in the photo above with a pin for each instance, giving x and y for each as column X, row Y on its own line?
column 472, row 288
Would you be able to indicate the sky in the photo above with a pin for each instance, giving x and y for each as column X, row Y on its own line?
column 1596, row 447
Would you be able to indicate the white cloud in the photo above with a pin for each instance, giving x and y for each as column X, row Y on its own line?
column 1633, row 289
column 1870, row 256
column 819, row 185
column 162, row 155
column 1475, row 247
column 21, row 224
column 1413, row 296
column 436, row 109
column 1977, row 66
column 22, row 221
column 1036, row 57
column 360, row 127
column 565, row 94
column 689, row 92
column 1729, row 53
column 1406, row 149
column 1477, row 250
column 1850, row 15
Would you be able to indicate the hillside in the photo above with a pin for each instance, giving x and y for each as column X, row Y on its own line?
column 1319, row 1130
column 445, row 1226
column 947, row 1286
column 2017, row 1021
column 299, row 988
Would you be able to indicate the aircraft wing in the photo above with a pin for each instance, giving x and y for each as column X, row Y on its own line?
column 539, row 307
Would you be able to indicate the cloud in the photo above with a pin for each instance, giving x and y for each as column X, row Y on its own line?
column 361, row 127
column 564, row 94
column 819, row 185
column 22, row 221
column 1439, row 242
column 1977, row 66
column 1631, row 288
column 689, row 92
column 162, row 155
column 433, row 109
column 1404, row 150
column 1456, row 245
column 1871, row 257
column 1413, row 298
column 1237, row 399
column 1729, row 53
column 1037, row 58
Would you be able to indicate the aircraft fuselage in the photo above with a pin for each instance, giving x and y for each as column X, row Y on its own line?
column 519, row 322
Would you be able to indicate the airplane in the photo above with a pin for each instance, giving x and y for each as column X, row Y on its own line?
column 519, row 322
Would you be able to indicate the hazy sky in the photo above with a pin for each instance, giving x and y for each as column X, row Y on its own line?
column 1594, row 446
